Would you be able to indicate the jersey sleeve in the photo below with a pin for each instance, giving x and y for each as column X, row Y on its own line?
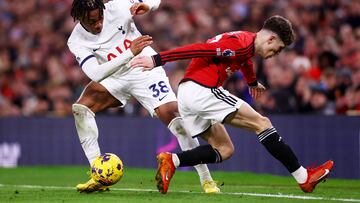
column 227, row 47
column 248, row 71
column 93, row 69
column 81, row 54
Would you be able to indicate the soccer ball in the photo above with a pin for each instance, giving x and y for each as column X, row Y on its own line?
column 107, row 169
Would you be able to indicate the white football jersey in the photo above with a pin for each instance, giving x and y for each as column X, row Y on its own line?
column 118, row 32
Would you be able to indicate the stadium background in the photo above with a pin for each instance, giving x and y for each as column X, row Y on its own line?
column 313, row 86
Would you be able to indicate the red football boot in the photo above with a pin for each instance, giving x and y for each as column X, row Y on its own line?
column 316, row 175
column 165, row 172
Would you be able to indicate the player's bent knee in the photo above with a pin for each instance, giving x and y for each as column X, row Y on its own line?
column 176, row 126
column 264, row 123
column 166, row 117
column 81, row 110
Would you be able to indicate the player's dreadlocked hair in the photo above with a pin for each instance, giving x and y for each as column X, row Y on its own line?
column 282, row 27
column 81, row 8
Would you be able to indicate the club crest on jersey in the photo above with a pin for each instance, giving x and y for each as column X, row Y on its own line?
column 121, row 29
column 228, row 53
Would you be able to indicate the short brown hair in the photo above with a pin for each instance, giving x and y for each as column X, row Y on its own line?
column 282, row 27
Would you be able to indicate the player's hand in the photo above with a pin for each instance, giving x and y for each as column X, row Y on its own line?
column 257, row 91
column 145, row 62
column 139, row 9
column 140, row 43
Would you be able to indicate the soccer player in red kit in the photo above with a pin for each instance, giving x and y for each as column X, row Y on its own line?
column 204, row 104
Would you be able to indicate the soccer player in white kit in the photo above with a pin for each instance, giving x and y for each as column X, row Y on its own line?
column 103, row 42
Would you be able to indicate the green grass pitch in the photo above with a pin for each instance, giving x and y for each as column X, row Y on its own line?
column 57, row 184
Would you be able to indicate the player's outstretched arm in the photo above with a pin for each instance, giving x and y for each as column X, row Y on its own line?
column 225, row 48
column 98, row 72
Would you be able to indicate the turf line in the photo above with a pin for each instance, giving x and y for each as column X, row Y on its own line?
column 286, row 196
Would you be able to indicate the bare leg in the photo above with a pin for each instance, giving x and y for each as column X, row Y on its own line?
column 247, row 118
column 218, row 138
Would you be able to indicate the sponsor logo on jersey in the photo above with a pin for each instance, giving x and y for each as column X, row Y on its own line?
column 127, row 45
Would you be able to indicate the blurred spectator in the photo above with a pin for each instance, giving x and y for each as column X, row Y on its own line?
column 319, row 73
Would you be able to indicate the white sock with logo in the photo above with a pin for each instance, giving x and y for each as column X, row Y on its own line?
column 87, row 131
column 186, row 142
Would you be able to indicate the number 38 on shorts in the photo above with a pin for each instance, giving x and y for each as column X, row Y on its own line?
column 159, row 89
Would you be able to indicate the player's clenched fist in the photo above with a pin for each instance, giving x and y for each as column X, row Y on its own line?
column 139, row 9
column 140, row 43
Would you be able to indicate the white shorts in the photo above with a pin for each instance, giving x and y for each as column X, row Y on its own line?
column 200, row 107
column 150, row 88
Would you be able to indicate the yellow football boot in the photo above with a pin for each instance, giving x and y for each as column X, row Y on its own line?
column 91, row 186
column 210, row 186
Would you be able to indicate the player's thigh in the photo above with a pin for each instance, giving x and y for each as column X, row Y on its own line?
column 218, row 138
column 167, row 112
column 154, row 92
column 247, row 118
column 97, row 97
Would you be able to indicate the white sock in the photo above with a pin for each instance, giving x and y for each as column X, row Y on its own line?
column 175, row 160
column 203, row 172
column 87, row 131
column 186, row 142
column 300, row 175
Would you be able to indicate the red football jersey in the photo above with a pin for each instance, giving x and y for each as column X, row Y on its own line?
column 214, row 61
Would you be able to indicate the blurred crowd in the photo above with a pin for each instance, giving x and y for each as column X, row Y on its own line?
column 318, row 74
